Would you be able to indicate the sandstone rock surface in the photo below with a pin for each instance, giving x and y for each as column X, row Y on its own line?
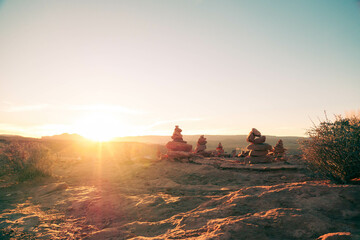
column 174, row 200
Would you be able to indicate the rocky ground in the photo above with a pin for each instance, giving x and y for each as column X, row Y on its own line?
column 152, row 199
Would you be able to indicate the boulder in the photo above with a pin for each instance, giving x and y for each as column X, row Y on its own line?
column 259, row 147
column 179, row 146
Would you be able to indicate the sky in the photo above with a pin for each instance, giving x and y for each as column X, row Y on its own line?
column 123, row 68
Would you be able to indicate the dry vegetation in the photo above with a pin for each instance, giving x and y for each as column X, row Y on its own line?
column 333, row 148
column 25, row 160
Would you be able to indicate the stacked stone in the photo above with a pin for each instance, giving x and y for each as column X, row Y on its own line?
column 258, row 148
column 220, row 150
column 279, row 150
column 201, row 145
column 178, row 144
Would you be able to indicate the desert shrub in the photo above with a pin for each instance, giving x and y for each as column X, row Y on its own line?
column 333, row 148
column 25, row 160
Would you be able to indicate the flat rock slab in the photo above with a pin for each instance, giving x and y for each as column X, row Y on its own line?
column 236, row 164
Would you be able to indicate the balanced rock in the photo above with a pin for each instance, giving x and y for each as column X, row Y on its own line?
column 177, row 136
column 178, row 144
column 258, row 148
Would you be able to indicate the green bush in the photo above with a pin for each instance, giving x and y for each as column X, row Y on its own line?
column 333, row 148
column 25, row 160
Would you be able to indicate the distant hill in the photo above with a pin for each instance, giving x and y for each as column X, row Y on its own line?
column 229, row 142
column 65, row 136
column 10, row 137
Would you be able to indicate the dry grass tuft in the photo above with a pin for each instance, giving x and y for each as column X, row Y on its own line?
column 25, row 160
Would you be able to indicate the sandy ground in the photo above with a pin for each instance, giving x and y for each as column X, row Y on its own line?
column 148, row 199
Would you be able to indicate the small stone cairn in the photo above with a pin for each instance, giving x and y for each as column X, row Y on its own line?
column 279, row 151
column 220, row 150
column 258, row 148
column 178, row 148
column 201, row 146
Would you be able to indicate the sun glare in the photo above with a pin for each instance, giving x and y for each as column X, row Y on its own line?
column 98, row 127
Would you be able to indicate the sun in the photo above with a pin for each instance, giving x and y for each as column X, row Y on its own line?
column 98, row 127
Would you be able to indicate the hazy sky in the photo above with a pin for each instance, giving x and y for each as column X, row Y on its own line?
column 212, row 67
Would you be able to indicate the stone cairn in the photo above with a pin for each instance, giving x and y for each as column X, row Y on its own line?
column 178, row 148
column 201, row 146
column 279, row 151
column 258, row 148
column 220, row 150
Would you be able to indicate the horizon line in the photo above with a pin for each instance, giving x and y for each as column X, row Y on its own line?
column 154, row 135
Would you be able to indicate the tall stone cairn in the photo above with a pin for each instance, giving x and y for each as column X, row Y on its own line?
column 258, row 148
column 178, row 144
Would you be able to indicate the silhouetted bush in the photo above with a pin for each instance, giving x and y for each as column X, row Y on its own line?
column 333, row 148
column 25, row 160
